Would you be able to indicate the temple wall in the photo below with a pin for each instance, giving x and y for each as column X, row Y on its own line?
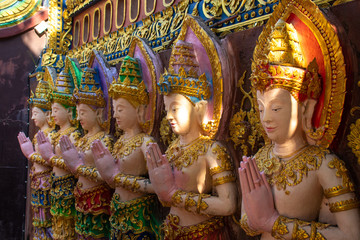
column 18, row 55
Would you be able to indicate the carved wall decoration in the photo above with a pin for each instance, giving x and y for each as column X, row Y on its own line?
column 245, row 127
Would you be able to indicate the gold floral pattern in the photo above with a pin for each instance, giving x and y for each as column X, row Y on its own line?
column 290, row 172
column 184, row 156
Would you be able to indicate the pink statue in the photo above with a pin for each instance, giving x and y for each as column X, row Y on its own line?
column 92, row 194
column 194, row 177
column 63, row 182
column 133, row 206
column 292, row 189
column 40, row 171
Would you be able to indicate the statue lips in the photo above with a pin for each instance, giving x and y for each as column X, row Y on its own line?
column 270, row 129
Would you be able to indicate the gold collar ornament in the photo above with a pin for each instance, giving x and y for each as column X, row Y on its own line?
column 292, row 171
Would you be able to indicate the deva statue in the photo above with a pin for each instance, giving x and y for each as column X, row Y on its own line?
column 132, row 206
column 194, row 177
column 62, row 182
column 92, row 194
column 294, row 188
column 40, row 171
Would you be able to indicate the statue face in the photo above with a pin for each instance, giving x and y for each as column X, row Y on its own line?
column 60, row 114
column 87, row 116
column 125, row 114
column 38, row 116
column 180, row 114
column 280, row 114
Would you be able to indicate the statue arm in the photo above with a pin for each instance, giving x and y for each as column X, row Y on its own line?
column 342, row 203
column 136, row 183
column 223, row 182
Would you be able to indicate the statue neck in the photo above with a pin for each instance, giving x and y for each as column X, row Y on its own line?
column 65, row 126
column 44, row 127
column 188, row 138
column 290, row 146
column 129, row 133
column 94, row 130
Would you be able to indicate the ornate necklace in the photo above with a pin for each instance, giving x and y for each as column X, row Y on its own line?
column 85, row 142
column 46, row 132
column 57, row 135
column 124, row 147
column 291, row 172
column 184, row 156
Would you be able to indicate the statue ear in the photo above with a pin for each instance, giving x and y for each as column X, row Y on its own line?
column 99, row 115
column 70, row 112
column 48, row 114
column 140, row 111
column 200, row 109
column 308, row 108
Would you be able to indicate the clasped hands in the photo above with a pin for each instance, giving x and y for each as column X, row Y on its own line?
column 257, row 196
column 160, row 173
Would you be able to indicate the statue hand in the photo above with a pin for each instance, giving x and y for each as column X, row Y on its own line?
column 104, row 161
column 70, row 155
column 160, row 173
column 44, row 145
column 25, row 145
column 257, row 197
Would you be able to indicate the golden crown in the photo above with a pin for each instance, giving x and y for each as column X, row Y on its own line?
column 130, row 84
column 90, row 91
column 281, row 64
column 41, row 98
column 183, row 75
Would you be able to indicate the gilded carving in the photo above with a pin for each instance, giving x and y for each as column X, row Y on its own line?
column 245, row 129
column 353, row 137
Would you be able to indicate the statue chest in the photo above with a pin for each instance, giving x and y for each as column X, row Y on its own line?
column 302, row 200
column 195, row 177
column 133, row 163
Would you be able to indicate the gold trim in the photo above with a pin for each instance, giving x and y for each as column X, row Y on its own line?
column 216, row 68
column 328, row 41
column 152, row 10
column 97, row 10
column 131, row 19
column 111, row 13
column 124, row 14
column 85, row 40
column 168, row 4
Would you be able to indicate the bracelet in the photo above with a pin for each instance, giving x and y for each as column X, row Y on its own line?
column 176, row 198
column 223, row 180
column 131, row 186
column 189, row 202
column 244, row 225
column 201, row 204
column 279, row 228
column 37, row 158
column 58, row 162
column 88, row 172
column 344, row 205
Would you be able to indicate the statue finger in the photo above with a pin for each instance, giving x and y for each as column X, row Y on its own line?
column 149, row 161
column 62, row 145
column 254, row 175
column 243, row 181
column 153, row 158
column 267, row 185
column 255, row 167
column 249, row 177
